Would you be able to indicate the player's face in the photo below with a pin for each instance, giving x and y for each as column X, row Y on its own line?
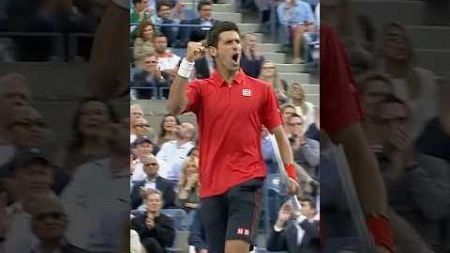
column 228, row 52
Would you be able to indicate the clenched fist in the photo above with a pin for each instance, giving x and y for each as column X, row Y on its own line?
column 194, row 51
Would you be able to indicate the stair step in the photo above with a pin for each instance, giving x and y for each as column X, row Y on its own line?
column 429, row 37
column 269, row 47
column 295, row 77
column 275, row 57
column 401, row 11
column 225, row 16
column 434, row 60
column 216, row 7
column 283, row 67
column 248, row 27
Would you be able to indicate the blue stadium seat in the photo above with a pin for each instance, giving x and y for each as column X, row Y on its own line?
column 178, row 216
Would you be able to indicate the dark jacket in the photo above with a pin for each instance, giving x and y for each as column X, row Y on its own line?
column 163, row 231
column 162, row 184
column 193, row 33
column 286, row 240
column 252, row 67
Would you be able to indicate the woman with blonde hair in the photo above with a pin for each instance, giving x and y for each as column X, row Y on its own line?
column 297, row 98
column 143, row 44
column 269, row 73
column 189, row 185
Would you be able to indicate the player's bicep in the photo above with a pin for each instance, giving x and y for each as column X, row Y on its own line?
column 271, row 114
column 193, row 98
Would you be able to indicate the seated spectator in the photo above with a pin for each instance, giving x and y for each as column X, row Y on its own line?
column 149, row 80
column 155, row 229
column 197, row 236
column 136, row 112
column 98, row 213
column 251, row 59
column 89, row 140
column 297, row 97
column 188, row 186
column 298, row 18
column 204, row 9
column 138, row 14
column 174, row 153
column 204, row 66
column 306, row 151
column 141, row 148
column 164, row 16
column 269, row 74
column 167, row 61
column 48, row 224
column 143, row 44
column 287, row 110
column 31, row 174
column 296, row 231
column 313, row 131
column 141, row 128
column 414, row 85
column 179, row 12
column 168, row 129
column 152, row 181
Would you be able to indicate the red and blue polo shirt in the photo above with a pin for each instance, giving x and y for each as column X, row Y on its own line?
column 229, row 118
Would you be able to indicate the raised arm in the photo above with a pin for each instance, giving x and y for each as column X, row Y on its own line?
column 178, row 100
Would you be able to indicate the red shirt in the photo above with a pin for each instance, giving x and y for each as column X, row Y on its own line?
column 229, row 120
column 339, row 100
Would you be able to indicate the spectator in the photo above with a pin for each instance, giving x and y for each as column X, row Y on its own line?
column 138, row 14
column 269, row 74
column 143, row 44
column 141, row 128
column 14, row 91
column 175, row 152
column 188, row 186
column 168, row 129
column 97, row 213
column 298, row 18
column 89, row 139
column 152, row 181
column 302, row 107
column 141, row 148
column 31, row 175
column 155, row 229
column 296, row 232
column 167, row 61
column 205, row 20
column 306, row 151
column 197, row 236
column 313, row 131
column 48, row 223
column 149, row 79
column 27, row 127
column 135, row 243
column 288, row 110
column 194, row 152
column 136, row 112
column 164, row 12
column 414, row 85
column 251, row 59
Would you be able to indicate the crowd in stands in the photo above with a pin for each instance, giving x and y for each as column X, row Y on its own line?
column 402, row 103
column 62, row 195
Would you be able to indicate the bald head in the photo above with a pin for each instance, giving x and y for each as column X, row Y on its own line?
column 14, row 91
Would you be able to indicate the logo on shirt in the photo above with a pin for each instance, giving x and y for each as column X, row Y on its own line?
column 246, row 92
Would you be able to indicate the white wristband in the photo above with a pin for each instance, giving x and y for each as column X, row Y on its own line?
column 186, row 68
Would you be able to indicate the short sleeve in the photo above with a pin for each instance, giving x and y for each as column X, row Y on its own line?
column 339, row 100
column 193, row 96
column 271, row 114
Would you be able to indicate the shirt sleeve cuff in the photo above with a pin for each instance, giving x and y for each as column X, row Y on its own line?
column 277, row 229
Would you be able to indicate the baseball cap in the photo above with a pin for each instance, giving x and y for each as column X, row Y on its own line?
column 142, row 139
column 24, row 158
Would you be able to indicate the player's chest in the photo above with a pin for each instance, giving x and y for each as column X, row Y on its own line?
column 232, row 99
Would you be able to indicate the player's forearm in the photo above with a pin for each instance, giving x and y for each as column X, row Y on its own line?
column 283, row 145
column 364, row 167
column 177, row 96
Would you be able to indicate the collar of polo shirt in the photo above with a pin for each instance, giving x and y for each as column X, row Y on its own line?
column 238, row 79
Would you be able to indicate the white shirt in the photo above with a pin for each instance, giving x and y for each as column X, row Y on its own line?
column 97, row 205
column 174, row 157
column 169, row 61
column 18, row 237
column 309, row 116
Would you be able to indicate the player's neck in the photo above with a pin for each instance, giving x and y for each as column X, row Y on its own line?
column 227, row 75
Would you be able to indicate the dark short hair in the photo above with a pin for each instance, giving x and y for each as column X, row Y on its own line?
column 162, row 3
column 203, row 3
column 311, row 202
column 158, row 35
column 136, row 2
column 295, row 115
column 220, row 27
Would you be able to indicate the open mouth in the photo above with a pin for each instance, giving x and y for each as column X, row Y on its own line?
column 235, row 57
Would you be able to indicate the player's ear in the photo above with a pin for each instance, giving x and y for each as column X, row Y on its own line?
column 213, row 51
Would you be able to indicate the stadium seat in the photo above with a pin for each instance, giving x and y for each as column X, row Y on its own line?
column 178, row 216
column 180, row 244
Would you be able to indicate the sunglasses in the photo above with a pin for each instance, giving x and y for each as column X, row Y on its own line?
column 150, row 164
column 151, row 62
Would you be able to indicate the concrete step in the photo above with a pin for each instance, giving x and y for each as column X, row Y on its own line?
column 283, row 67
column 429, row 37
column 296, row 77
column 311, row 89
column 269, row 47
column 275, row 57
column 248, row 27
column 225, row 16
column 402, row 11
column 437, row 61
column 314, row 99
column 52, row 80
column 216, row 7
